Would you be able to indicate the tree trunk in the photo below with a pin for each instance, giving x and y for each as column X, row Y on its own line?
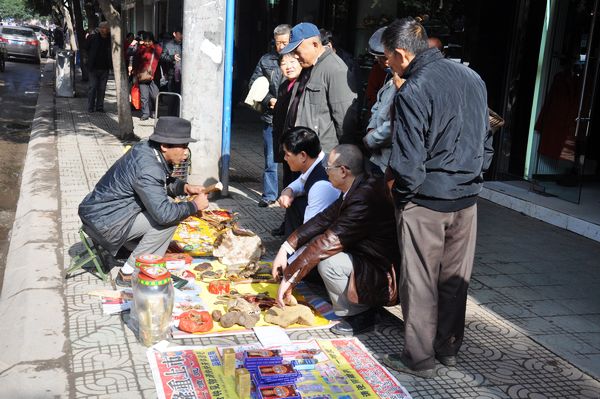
column 78, row 16
column 67, row 14
column 122, row 85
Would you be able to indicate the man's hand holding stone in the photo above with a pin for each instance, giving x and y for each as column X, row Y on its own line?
column 201, row 201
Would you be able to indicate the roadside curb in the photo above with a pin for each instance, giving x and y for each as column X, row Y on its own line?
column 32, row 309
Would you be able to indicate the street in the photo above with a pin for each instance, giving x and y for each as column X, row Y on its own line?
column 19, row 86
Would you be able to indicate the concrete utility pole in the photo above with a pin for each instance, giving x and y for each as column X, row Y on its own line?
column 202, row 84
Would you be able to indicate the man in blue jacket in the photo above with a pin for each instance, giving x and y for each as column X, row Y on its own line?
column 132, row 207
column 441, row 146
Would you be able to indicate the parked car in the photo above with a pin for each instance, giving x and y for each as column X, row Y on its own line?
column 21, row 42
column 44, row 44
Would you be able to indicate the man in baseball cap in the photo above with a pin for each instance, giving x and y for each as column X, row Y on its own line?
column 323, row 99
column 131, row 206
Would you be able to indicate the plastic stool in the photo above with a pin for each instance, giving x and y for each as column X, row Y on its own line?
column 91, row 254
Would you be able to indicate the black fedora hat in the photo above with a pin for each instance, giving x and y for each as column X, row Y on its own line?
column 172, row 130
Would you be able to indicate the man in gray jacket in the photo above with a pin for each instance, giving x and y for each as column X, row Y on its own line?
column 132, row 207
column 323, row 99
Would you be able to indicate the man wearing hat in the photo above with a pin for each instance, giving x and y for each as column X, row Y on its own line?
column 378, row 140
column 323, row 99
column 380, row 72
column 131, row 206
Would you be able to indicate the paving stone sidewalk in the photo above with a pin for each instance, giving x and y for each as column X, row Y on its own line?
column 510, row 303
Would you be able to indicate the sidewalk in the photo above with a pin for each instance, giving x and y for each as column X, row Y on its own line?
column 533, row 317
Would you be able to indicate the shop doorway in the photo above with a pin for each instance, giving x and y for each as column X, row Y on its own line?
column 563, row 156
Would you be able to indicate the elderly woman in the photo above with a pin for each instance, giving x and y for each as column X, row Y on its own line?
column 290, row 67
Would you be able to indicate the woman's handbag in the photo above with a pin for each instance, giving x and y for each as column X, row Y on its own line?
column 136, row 100
column 145, row 76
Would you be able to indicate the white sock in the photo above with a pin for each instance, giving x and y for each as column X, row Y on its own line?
column 127, row 268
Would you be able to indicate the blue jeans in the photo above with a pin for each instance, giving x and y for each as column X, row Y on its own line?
column 270, row 183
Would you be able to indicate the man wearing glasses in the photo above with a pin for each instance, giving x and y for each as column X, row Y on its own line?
column 352, row 243
column 132, row 207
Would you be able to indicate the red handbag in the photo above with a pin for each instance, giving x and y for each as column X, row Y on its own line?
column 136, row 100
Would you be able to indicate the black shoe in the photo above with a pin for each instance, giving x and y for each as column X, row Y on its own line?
column 448, row 361
column 151, row 116
column 100, row 110
column 278, row 231
column 144, row 118
column 91, row 111
column 264, row 204
column 357, row 324
column 394, row 361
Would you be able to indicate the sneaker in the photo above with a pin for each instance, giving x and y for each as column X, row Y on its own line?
column 144, row 118
column 265, row 204
column 356, row 324
column 123, row 280
column 394, row 361
column 448, row 361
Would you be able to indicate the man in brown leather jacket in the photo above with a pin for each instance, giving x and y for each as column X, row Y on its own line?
column 353, row 244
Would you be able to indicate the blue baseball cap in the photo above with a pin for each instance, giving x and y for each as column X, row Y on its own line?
column 302, row 31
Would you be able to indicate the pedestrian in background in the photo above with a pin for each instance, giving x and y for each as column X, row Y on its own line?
column 441, row 147
column 268, row 66
column 170, row 61
column 145, row 64
column 99, row 63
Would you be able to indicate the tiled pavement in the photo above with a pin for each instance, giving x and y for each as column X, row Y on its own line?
column 533, row 318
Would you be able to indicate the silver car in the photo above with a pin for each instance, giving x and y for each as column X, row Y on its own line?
column 21, row 42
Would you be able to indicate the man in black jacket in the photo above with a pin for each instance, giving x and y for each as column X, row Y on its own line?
column 268, row 67
column 131, row 206
column 170, row 62
column 441, row 147
column 99, row 63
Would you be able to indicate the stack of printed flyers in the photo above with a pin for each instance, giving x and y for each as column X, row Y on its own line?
column 325, row 368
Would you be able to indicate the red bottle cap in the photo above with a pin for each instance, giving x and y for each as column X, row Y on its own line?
column 153, row 275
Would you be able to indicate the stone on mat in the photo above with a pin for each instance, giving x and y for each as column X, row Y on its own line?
column 285, row 317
